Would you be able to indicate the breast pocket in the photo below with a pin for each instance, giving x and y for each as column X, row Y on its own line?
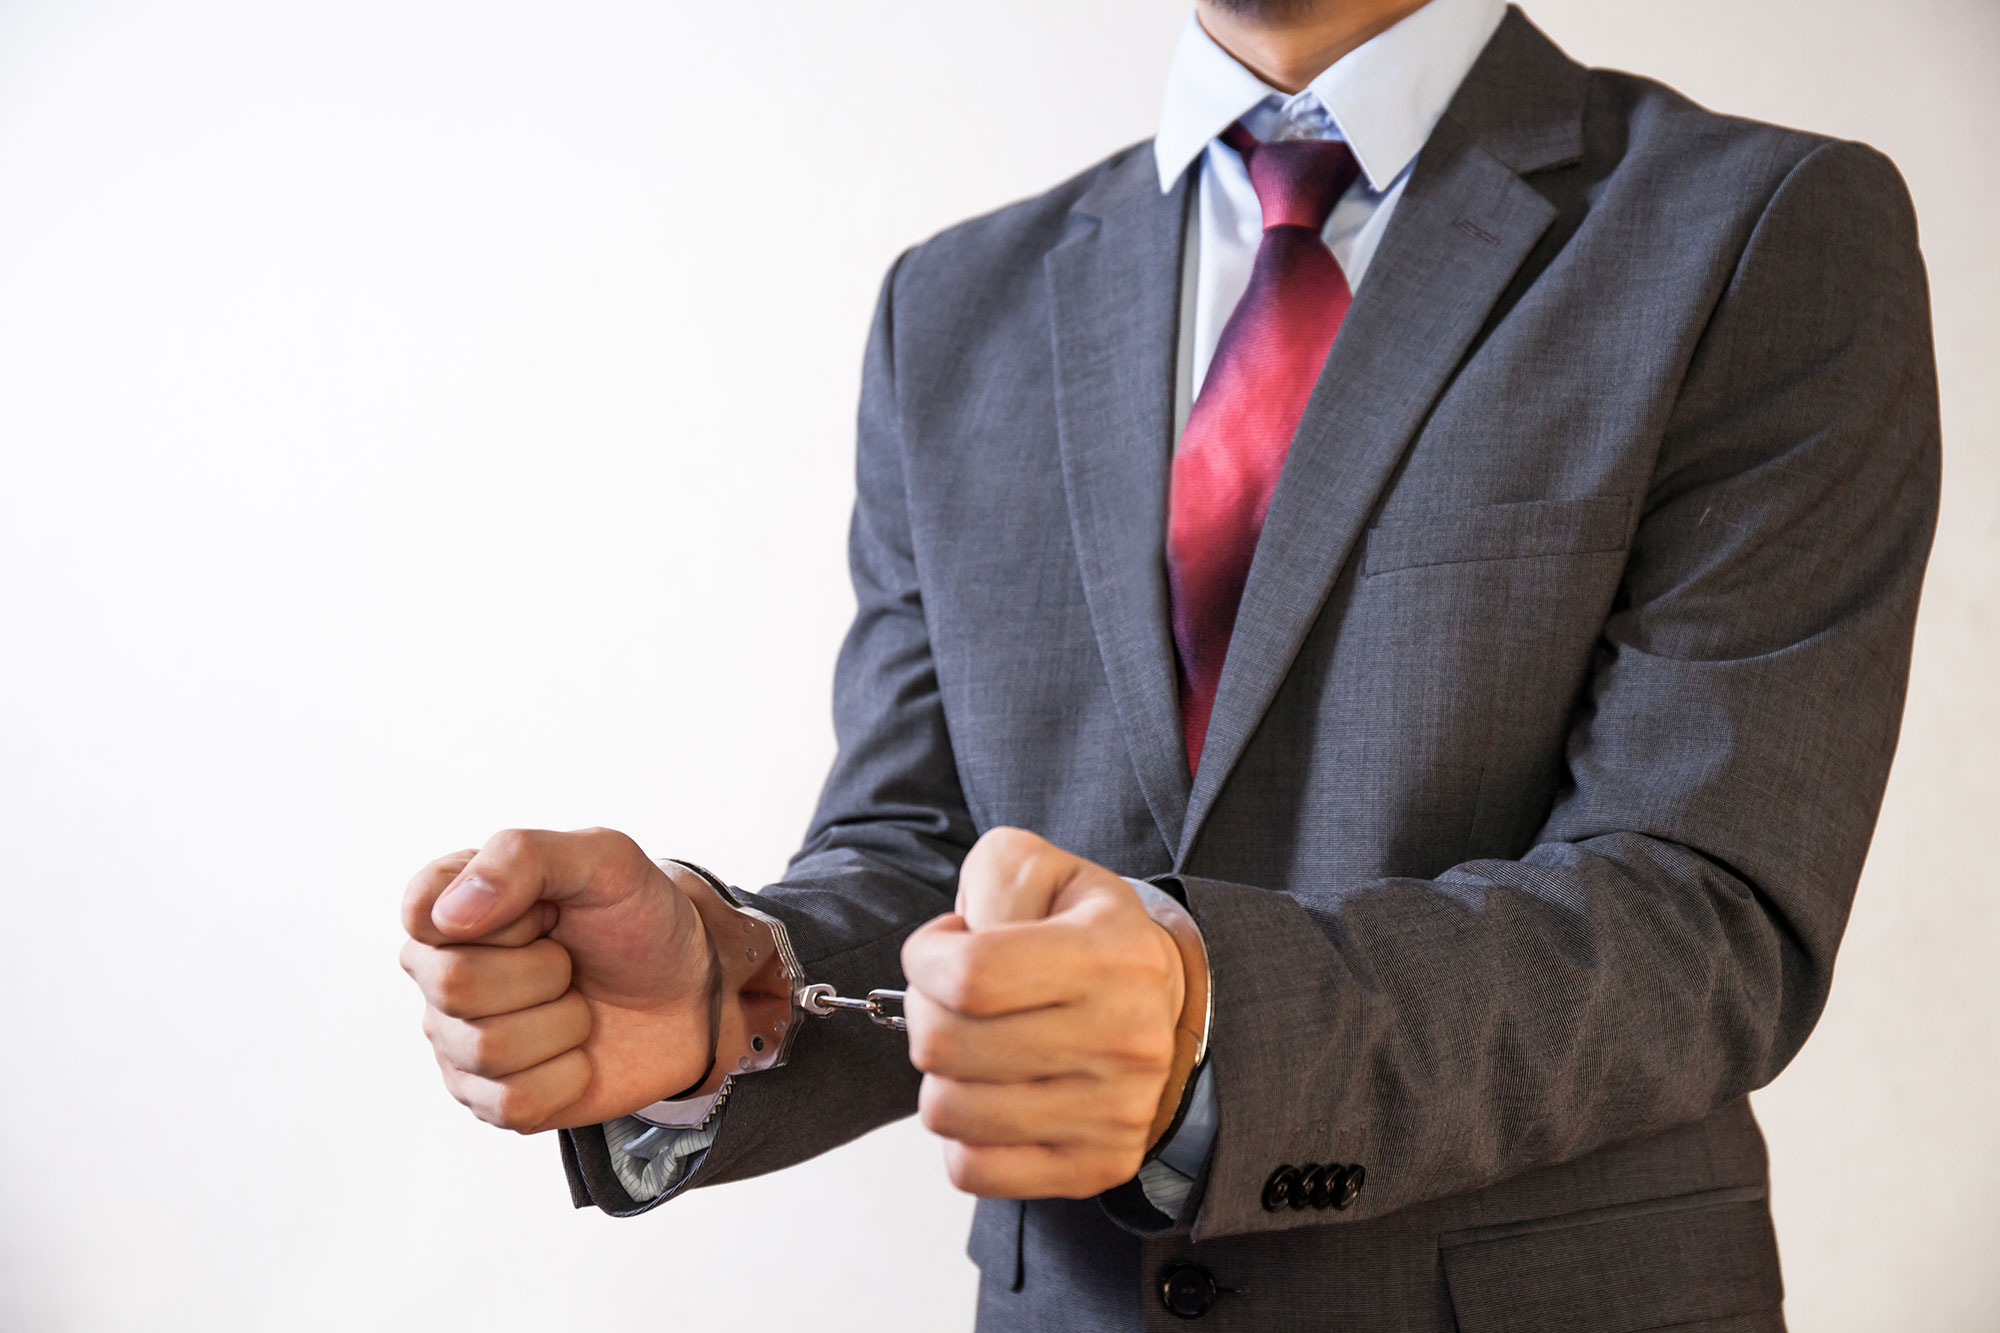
column 1498, row 532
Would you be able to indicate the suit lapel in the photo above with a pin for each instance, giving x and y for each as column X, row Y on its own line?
column 1114, row 309
column 1461, row 230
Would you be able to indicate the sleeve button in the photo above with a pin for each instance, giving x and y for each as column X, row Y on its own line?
column 1348, row 1188
column 1280, row 1187
column 1325, row 1184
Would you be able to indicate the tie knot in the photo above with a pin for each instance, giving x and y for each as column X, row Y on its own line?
column 1298, row 181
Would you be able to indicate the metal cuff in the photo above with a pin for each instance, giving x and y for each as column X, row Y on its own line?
column 755, row 964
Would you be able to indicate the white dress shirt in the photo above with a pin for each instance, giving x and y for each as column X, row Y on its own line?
column 1382, row 98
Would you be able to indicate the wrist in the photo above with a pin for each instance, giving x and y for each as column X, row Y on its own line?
column 747, row 979
column 705, row 995
column 1191, row 1026
column 700, row 953
column 1179, row 1081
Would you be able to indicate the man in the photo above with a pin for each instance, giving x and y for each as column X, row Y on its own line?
column 1451, row 519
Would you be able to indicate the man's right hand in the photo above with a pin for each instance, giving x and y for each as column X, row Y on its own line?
column 567, row 979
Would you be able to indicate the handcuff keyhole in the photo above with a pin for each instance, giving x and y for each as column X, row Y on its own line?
column 757, row 1043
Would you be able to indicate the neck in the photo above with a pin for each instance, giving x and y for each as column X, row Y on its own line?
column 1289, row 43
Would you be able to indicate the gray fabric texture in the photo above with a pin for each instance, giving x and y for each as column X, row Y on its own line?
column 1549, row 742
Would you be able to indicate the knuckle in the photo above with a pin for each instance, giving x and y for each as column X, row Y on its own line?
column 1137, row 955
column 412, row 911
column 615, row 843
column 423, row 886
column 484, row 1053
column 966, row 982
column 913, row 955
column 454, row 1084
column 1009, row 838
column 930, row 1047
column 934, row 1107
column 980, row 981
column 1037, row 861
column 1149, row 1045
column 966, row 1167
column 582, row 1022
column 1007, row 846
column 515, row 1108
column 543, row 969
column 561, row 965
column 506, row 849
column 453, row 990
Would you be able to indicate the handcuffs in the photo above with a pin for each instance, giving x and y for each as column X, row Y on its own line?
column 755, row 961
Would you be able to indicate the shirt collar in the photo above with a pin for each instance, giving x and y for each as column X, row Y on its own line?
column 1384, row 96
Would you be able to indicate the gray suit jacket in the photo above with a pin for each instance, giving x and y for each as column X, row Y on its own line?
column 1549, row 742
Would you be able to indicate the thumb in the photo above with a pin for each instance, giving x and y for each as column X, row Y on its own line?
column 1012, row 875
column 520, row 870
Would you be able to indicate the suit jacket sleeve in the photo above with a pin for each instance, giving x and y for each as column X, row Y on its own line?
column 1666, row 944
column 880, row 858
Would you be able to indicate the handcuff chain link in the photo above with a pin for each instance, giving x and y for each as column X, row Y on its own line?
column 820, row 1000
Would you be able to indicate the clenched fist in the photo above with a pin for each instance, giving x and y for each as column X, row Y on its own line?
column 567, row 979
column 1042, row 1014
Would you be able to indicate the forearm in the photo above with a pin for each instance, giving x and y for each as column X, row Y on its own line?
column 1450, row 1033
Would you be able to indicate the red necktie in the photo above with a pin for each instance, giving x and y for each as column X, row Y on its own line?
column 1264, row 367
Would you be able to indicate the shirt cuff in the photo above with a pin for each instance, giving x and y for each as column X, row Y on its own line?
column 1167, row 1179
column 648, row 1174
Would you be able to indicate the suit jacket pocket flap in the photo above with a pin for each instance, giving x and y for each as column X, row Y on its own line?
column 1618, row 1270
column 1498, row 532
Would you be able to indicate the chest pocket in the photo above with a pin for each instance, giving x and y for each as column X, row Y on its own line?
column 1498, row 532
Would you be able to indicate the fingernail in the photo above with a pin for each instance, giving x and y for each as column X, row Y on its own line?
column 464, row 905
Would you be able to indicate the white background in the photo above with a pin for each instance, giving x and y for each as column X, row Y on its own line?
column 421, row 418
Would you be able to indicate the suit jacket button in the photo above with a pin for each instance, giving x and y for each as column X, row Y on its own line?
column 1278, row 1189
column 1187, row 1290
column 1311, row 1188
column 1348, row 1187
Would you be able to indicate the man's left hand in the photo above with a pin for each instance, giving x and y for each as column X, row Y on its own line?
column 1041, row 1014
